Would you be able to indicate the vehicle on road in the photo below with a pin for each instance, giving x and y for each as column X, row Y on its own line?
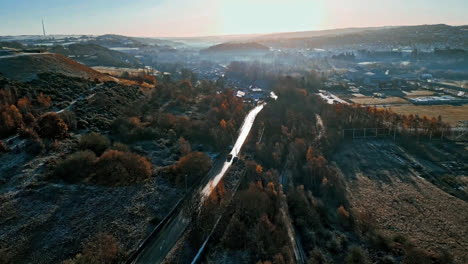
column 229, row 157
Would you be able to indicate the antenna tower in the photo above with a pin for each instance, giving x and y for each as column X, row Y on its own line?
column 43, row 28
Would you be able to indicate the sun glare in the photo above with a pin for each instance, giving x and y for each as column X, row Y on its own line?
column 265, row 16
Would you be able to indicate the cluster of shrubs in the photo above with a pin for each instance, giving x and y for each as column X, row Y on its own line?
column 99, row 162
column 193, row 165
column 23, row 110
column 22, row 119
column 51, row 126
column 22, row 104
column 257, row 225
column 178, row 108
column 3, row 147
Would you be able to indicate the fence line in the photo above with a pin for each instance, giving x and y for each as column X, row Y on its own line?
column 453, row 133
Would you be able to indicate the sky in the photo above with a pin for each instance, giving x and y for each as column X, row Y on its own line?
column 187, row 18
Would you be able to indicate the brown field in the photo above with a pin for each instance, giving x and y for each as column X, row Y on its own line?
column 378, row 101
column 430, row 217
column 455, row 83
column 115, row 71
column 418, row 93
column 380, row 181
column 450, row 114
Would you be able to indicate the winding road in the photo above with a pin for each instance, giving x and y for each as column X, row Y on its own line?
column 161, row 244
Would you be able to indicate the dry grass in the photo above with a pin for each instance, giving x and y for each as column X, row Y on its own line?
column 146, row 88
column 378, row 101
column 116, row 71
column 399, row 200
column 450, row 114
column 430, row 217
column 455, row 83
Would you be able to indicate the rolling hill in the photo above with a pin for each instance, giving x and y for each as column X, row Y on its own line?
column 26, row 66
column 96, row 55
column 236, row 48
column 435, row 35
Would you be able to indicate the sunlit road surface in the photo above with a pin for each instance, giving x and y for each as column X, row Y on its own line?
column 331, row 98
column 245, row 130
column 162, row 243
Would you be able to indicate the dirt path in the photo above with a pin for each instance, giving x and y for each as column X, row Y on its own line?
column 23, row 54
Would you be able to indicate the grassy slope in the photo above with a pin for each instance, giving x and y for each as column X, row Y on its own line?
column 27, row 67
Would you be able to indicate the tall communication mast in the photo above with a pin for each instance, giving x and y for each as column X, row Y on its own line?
column 43, row 28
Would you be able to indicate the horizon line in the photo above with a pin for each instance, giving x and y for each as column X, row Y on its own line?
column 245, row 34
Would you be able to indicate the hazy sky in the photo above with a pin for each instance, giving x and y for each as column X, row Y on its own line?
column 214, row 17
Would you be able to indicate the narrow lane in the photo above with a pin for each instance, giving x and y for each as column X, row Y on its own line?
column 244, row 132
column 162, row 243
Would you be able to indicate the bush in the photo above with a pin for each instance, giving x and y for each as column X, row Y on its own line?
column 101, row 249
column 337, row 242
column 120, row 147
column 44, row 101
column 3, row 147
column 184, row 146
column 94, row 142
column 69, row 118
column 357, row 256
column 416, row 256
column 365, row 222
column 399, row 238
column 121, row 168
column 444, row 257
column 379, row 241
column 316, row 256
column 10, row 120
column 52, row 126
column 343, row 216
column 194, row 164
column 28, row 132
column 29, row 119
column 34, row 146
column 388, row 259
column 235, row 234
column 76, row 167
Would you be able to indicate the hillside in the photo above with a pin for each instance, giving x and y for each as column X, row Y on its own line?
column 26, row 66
column 436, row 35
column 317, row 33
column 236, row 47
column 60, row 210
column 11, row 44
column 95, row 55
